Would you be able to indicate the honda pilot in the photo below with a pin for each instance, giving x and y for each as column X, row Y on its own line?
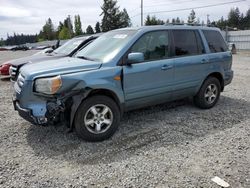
column 122, row 70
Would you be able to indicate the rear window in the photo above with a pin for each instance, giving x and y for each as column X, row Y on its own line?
column 187, row 42
column 215, row 41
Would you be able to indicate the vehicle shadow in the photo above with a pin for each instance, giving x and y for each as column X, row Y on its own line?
column 165, row 125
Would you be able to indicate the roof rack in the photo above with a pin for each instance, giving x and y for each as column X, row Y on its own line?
column 189, row 24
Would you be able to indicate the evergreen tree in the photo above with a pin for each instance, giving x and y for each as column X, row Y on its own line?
column 192, row 17
column 1, row 42
column 234, row 17
column 89, row 30
column 97, row 27
column 48, row 32
column 111, row 15
column 153, row 21
column 124, row 19
column 173, row 21
column 64, row 33
column 113, row 18
column 68, row 24
column 17, row 39
column 177, row 20
column 78, row 25
column 247, row 20
column 167, row 21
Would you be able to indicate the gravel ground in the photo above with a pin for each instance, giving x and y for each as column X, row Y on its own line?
column 169, row 145
column 9, row 55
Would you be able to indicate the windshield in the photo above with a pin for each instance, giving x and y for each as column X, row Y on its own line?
column 107, row 46
column 69, row 46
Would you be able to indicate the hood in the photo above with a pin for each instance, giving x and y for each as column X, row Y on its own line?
column 34, row 59
column 56, row 67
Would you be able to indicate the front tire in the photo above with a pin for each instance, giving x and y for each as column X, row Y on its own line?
column 97, row 118
column 208, row 94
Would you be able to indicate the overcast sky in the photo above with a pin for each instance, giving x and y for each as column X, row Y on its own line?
column 28, row 16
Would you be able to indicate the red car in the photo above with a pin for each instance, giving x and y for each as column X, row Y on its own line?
column 67, row 49
column 4, row 69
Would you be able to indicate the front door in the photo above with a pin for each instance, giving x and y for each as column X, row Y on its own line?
column 151, row 80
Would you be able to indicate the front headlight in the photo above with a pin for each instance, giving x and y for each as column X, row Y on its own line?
column 48, row 85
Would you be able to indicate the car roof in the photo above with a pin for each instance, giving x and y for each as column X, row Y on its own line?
column 170, row 27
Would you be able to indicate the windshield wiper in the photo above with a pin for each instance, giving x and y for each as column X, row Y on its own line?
column 86, row 58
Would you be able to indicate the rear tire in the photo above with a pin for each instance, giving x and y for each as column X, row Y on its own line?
column 208, row 94
column 97, row 118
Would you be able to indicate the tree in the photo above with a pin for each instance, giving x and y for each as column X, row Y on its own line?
column 68, row 24
column 124, row 19
column 153, row 21
column 97, row 27
column 17, row 39
column 1, row 42
column 47, row 32
column 64, row 33
column 113, row 18
column 78, row 25
column 247, row 19
column 234, row 17
column 178, row 20
column 89, row 30
column 60, row 27
column 111, row 15
column 192, row 17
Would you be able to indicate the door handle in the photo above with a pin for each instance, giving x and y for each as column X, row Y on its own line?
column 166, row 67
column 204, row 61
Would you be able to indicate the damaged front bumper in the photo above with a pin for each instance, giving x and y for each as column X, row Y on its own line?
column 51, row 111
column 28, row 115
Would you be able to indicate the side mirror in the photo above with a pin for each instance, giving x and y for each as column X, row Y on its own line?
column 135, row 57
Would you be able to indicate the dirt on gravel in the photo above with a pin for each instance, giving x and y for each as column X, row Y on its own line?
column 169, row 145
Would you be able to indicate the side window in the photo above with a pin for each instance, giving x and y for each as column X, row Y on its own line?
column 187, row 42
column 153, row 45
column 215, row 41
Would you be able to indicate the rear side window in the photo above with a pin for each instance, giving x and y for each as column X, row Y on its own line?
column 215, row 41
column 187, row 42
column 153, row 45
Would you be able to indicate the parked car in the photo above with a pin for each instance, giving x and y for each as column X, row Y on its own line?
column 68, row 49
column 122, row 70
column 20, row 47
column 4, row 70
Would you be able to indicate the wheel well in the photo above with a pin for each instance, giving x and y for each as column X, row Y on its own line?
column 107, row 93
column 219, row 77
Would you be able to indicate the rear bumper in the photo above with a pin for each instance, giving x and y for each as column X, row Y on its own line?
column 228, row 77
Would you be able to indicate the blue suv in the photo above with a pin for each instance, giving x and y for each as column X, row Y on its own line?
column 122, row 70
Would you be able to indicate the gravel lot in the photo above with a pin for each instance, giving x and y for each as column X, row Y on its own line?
column 9, row 55
column 170, row 145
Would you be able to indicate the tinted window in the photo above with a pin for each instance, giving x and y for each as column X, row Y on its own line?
column 215, row 41
column 186, row 43
column 153, row 45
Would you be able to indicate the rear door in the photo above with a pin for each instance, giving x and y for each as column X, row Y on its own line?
column 152, row 79
column 190, row 62
column 219, row 56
